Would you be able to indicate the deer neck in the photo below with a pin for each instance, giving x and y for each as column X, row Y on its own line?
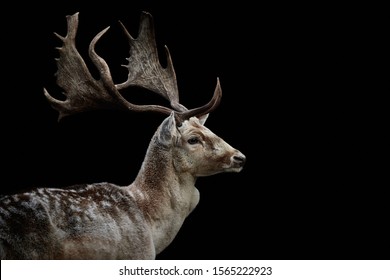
column 165, row 196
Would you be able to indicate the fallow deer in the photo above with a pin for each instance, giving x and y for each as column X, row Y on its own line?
column 105, row 220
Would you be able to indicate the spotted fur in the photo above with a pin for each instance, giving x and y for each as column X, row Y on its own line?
column 107, row 221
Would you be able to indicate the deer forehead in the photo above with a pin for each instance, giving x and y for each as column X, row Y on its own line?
column 194, row 127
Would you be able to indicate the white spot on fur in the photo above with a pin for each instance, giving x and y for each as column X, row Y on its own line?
column 106, row 203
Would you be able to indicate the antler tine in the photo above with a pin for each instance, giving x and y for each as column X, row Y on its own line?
column 146, row 71
column 205, row 109
column 144, row 66
column 109, row 85
column 73, row 76
column 82, row 91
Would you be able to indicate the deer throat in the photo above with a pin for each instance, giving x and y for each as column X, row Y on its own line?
column 165, row 197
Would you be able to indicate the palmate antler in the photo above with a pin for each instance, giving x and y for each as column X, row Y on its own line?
column 84, row 93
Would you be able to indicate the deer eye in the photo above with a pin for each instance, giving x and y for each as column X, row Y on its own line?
column 193, row 140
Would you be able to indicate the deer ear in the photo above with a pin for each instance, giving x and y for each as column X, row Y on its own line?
column 202, row 119
column 167, row 130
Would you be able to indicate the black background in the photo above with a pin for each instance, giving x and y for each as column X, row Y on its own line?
column 290, row 104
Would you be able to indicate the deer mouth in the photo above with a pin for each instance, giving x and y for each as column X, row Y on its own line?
column 237, row 163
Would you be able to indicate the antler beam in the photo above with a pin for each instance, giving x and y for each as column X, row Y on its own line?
column 84, row 93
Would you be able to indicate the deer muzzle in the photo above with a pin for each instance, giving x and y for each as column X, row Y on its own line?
column 238, row 160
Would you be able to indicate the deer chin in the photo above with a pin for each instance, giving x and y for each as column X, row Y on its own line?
column 237, row 169
column 233, row 169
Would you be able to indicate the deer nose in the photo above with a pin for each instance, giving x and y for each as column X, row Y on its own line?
column 239, row 159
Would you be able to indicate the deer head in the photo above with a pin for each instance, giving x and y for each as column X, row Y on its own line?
column 124, row 222
column 198, row 144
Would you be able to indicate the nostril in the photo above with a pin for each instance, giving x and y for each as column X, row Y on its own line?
column 239, row 159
